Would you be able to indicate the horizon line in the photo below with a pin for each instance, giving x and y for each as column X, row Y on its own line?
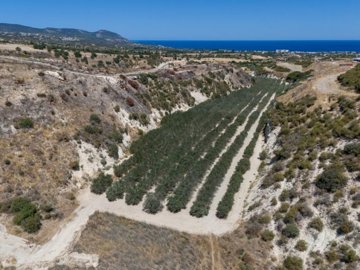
column 276, row 40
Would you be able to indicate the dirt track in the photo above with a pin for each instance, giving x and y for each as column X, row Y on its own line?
column 323, row 84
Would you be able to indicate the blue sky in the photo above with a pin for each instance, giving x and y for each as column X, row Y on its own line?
column 195, row 19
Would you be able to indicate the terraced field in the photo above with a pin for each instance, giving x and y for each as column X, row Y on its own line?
column 196, row 159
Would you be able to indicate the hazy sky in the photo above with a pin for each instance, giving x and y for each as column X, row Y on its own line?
column 195, row 19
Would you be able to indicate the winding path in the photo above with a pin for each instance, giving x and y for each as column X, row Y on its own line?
column 161, row 66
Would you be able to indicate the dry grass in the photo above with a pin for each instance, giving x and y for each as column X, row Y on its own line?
column 126, row 244
column 39, row 167
column 237, row 251
column 323, row 84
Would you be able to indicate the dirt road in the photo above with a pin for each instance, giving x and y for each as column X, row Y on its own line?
column 161, row 66
column 323, row 84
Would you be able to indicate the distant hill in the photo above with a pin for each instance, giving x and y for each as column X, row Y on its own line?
column 63, row 36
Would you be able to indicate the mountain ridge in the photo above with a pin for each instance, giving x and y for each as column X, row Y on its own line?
column 64, row 36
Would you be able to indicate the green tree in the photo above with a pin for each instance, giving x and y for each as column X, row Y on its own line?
column 267, row 235
column 293, row 263
column 301, row 245
column 101, row 183
column 317, row 224
column 291, row 231
column 25, row 123
column 332, row 179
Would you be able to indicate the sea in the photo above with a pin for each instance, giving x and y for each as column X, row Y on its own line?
column 264, row 45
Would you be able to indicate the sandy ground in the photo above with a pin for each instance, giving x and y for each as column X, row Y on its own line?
column 16, row 251
column 238, row 131
column 110, row 78
column 323, row 84
column 224, row 185
column 258, row 57
column 222, row 60
column 251, row 175
column 12, row 47
column 327, row 84
column 90, row 162
column 199, row 97
column 164, row 65
column 290, row 66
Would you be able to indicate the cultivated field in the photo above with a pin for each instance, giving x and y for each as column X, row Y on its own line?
column 183, row 164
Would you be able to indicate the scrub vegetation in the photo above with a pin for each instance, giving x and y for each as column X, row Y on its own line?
column 351, row 78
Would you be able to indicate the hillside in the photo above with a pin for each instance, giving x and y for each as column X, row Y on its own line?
column 61, row 36
column 60, row 126
column 351, row 78
column 177, row 160
column 300, row 212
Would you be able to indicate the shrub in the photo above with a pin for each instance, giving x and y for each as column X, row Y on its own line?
column 25, row 214
column 253, row 229
column 77, row 54
column 117, row 108
column 143, row 119
column 152, row 204
column 331, row 256
column 273, row 201
column 331, row 179
column 290, row 231
column 352, row 149
column 284, row 207
column 263, row 155
column 116, row 136
column 293, row 263
column 348, row 255
column 316, row 224
column 352, row 164
column 39, row 46
column 351, row 78
column 267, row 235
column 297, row 76
column 18, row 204
column 264, row 219
column 304, row 210
column 74, row 165
column 284, row 195
column 32, row 223
column 278, row 177
column 301, row 245
column 291, row 215
column 116, row 191
column 345, row 227
column 25, row 123
column 94, row 118
column 113, row 151
column 70, row 196
column 92, row 129
column 101, row 183
column 27, row 211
